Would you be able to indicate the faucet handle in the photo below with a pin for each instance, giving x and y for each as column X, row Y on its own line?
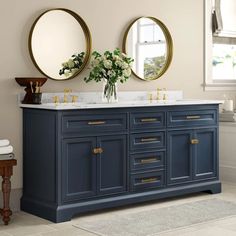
column 74, row 98
column 150, row 97
column 56, row 100
column 158, row 94
column 165, row 96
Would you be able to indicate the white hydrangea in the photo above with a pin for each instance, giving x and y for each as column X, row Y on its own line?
column 119, row 63
column 116, row 57
column 95, row 62
column 127, row 72
column 107, row 64
column 124, row 65
column 71, row 63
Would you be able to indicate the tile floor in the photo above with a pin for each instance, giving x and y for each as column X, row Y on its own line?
column 23, row 224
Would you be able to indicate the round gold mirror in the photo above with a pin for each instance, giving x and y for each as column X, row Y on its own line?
column 149, row 43
column 59, row 44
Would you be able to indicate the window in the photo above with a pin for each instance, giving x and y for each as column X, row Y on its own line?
column 150, row 48
column 220, row 44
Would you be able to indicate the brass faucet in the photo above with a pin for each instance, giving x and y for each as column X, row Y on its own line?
column 67, row 91
column 56, row 100
column 165, row 97
column 158, row 94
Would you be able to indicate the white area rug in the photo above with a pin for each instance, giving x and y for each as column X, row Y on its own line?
column 154, row 221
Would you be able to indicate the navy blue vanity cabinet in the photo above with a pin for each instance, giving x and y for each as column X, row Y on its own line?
column 82, row 160
column 204, row 153
column 79, row 168
column 93, row 166
column 179, row 157
column 192, row 145
column 147, row 150
column 112, row 164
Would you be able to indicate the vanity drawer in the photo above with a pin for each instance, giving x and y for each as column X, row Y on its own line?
column 147, row 140
column 149, row 180
column 94, row 123
column 147, row 120
column 192, row 117
column 147, row 160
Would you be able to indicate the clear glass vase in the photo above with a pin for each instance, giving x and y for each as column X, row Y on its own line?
column 109, row 94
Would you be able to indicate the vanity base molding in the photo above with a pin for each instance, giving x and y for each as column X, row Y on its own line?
column 66, row 212
column 78, row 161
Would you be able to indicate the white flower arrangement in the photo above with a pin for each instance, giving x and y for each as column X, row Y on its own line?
column 112, row 67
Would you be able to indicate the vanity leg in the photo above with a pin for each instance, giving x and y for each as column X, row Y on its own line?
column 6, row 189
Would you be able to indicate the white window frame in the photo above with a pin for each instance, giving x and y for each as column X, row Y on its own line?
column 209, row 83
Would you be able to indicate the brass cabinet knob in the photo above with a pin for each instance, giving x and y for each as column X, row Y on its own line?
column 194, row 141
column 97, row 150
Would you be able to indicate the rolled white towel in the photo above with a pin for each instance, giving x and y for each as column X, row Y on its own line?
column 4, row 142
column 6, row 150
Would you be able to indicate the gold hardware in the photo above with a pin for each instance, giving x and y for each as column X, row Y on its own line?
column 96, row 122
column 164, row 94
column 149, row 160
column 150, row 97
column 56, row 99
column 194, row 141
column 74, row 99
column 158, row 94
column 148, row 139
column 97, row 150
column 65, row 99
column 193, row 117
column 67, row 91
column 148, row 119
column 149, row 180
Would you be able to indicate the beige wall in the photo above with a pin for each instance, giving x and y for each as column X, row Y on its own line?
column 107, row 21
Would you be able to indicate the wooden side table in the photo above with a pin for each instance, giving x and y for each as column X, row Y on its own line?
column 6, row 171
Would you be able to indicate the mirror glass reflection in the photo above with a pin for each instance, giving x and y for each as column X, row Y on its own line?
column 149, row 43
column 59, row 44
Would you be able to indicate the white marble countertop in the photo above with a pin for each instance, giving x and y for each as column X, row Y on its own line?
column 143, row 103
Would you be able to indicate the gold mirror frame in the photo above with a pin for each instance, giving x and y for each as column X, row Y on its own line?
column 169, row 48
column 87, row 35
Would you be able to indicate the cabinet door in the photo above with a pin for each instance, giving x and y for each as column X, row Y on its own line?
column 205, row 153
column 78, row 168
column 179, row 156
column 111, row 172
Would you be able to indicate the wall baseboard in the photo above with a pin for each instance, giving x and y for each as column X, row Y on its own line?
column 14, row 199
column 228, row 173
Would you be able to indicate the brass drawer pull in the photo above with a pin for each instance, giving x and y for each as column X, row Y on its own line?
column 97, row 150
column 148, row 139
column 149, row 119
column 194, row 141
column 193, row 117
column 149, row 160
column 149, row 180
column 96, row 122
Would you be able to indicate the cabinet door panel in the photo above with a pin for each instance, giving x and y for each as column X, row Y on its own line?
column 179, row 157
column 78, row 168
column 205, row 154
column 112, row 164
